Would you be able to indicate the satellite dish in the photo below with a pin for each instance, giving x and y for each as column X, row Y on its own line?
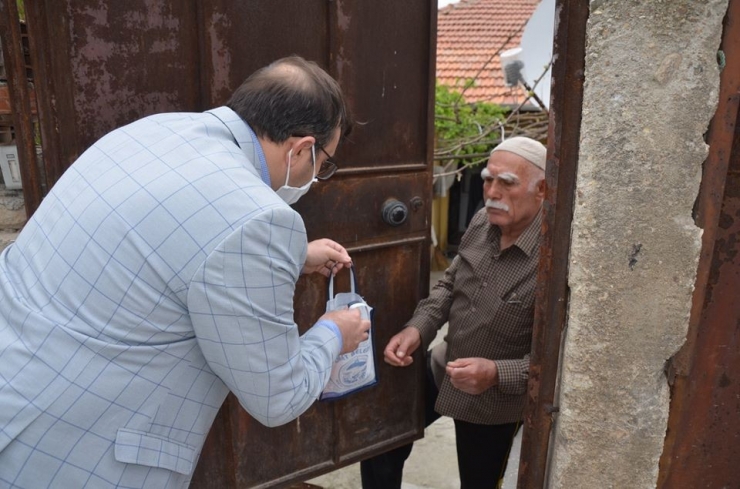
column 527, row 63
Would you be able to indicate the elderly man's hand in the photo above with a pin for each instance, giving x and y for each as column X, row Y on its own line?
column 326, row 257
column 400, row 348
column 472, row 375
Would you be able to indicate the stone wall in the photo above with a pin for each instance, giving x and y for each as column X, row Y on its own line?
column 652, row 81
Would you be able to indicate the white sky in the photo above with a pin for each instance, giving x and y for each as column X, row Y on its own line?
column 444, row 3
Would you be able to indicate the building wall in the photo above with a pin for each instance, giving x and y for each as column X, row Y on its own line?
column 651, row 87
column 12, row 215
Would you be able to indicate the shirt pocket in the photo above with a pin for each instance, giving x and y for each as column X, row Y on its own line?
column 515, row 310
column 138, row 447
column 514, row 325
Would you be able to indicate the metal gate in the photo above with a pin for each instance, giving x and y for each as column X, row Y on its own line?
column 98, row 65
column 702, row 444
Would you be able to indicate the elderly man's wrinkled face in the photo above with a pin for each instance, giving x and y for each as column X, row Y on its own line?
column 514, row 189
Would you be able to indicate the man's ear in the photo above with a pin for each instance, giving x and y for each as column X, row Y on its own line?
column 301, row 144
column 541, row 188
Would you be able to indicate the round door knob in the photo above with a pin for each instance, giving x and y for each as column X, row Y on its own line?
column 394, row 212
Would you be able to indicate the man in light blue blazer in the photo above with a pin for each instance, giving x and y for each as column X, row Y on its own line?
column 157, row 276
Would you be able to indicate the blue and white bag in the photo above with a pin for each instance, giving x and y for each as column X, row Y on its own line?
column 355, row 370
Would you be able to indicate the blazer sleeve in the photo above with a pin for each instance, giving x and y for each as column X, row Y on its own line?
column 241, row 305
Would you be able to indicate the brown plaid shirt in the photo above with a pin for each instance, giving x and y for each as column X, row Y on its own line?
column 488, row 298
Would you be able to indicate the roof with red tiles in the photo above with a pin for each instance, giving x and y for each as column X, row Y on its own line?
column 470, row 36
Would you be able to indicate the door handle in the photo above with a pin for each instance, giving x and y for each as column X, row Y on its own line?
column 394, row 212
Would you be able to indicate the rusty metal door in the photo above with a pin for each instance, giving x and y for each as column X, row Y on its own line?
column 99, row 65
column 702, row 444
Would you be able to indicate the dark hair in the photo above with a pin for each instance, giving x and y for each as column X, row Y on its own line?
column 292, row 97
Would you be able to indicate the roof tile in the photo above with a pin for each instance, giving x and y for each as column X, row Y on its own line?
column 470, row 36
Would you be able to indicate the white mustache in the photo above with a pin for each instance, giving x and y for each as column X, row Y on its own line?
column 495, row 204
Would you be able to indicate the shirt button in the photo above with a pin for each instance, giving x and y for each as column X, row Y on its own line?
column 484, row 285
column 472, row 309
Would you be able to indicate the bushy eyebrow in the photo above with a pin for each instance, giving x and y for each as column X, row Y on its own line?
column 507, row 177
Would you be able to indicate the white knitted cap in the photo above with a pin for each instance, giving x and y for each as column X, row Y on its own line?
column 529, row 149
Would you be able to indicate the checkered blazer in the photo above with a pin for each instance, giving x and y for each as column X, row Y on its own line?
column 157, row 275
column 487, row 295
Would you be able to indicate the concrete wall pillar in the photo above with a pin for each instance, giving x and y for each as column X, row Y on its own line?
column 651, row 86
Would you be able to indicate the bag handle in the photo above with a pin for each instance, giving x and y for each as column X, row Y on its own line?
column 352, row 282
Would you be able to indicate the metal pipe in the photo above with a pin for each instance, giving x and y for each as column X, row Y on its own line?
column 552, row 290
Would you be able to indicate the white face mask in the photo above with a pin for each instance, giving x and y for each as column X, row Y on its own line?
column 291, row 194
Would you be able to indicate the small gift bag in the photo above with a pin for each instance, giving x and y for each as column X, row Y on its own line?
column 355, row 370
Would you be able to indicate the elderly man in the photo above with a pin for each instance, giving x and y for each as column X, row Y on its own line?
column 478, row 375
column 157, row 275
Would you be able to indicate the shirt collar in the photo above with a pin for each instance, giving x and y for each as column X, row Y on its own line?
column 528, row 241
column 244, row 137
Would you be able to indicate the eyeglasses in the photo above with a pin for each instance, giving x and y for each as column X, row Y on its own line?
column 328, row 168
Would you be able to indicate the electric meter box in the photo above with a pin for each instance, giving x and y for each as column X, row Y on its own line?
column 9, row 166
